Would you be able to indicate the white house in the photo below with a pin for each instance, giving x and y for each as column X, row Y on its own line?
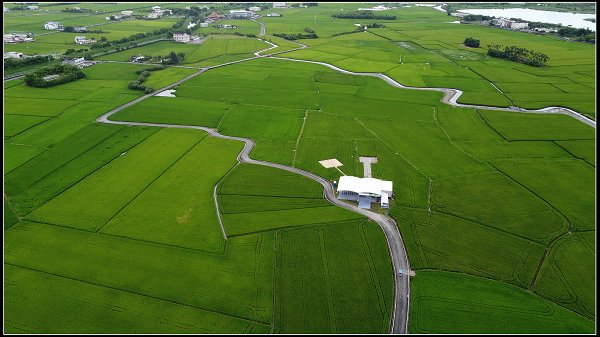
column 77, row 62
column 16, row 38
column 157, row 13
column 279, row 5
column 181, row 37
column 155, row 8
column 240, row 14
column 519, row 25
column 80, row 29
column 13, row 55
column 203, row 24
column 126, row 13
column 52, row 25
column 6, row 9
column 82, row 40
column 273, row 14
column 365, row 191
column 254, row 9
column 32, row 8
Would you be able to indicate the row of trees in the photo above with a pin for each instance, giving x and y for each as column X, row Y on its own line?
column 474, row 17
column 67, row 73
column 471, row 42
column 517, row 54
column 363, row 15
column 17, row 63
column 296, row 36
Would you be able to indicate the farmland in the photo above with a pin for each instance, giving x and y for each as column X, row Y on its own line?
column 115, row 228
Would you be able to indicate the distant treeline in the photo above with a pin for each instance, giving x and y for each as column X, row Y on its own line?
column 66, row 72
column 297, row 36
column 580, row 34
column 517, row 54
column 473, row 17
column 363, row 15
column 17, row 63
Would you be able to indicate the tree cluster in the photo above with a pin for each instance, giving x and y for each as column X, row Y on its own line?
column 67, row 73
column 580, row 34
column 517, row 54
column 375, row 25
column 363, row 15
column 309, row 30
column 77, row 10
column 17, row 63
column 474, row 17
column 137, row 84
column 471, row 42
column 297, row 36
column 358, row 30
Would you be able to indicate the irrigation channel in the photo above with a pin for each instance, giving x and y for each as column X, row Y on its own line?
column 401, row 267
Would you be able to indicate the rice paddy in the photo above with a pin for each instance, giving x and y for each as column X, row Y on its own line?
column 142, row 229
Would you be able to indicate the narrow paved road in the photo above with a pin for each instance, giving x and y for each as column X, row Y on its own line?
column 451, row 95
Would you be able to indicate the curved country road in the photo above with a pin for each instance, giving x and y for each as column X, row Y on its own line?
column 399, row 321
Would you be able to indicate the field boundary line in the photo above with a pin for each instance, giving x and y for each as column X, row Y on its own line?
column 489, row 226
column 134, row 293
column 391, row 148
column 87, row 175
column 124, row 237
column 150, row 184
column 74, row 158
column 328, row 289
column 571, row 153
column 450, row 139
column 373, row 270
column 299, row 136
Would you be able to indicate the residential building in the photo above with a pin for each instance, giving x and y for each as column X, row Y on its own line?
column 279, row 5
column 157, row 13
column 52, row 25
column 13, row 55
column 203, row 24
column 17, row 38
column 273, row 14
column 6, row 10
column 80, row 29
column 181, row 37
column 240, row 14
column 82, row 40
column 77, row 62
column 33, row 8
column 254, row 9
column 519, row 25
column 126, row 13
column 214, row 16
column 365, row 191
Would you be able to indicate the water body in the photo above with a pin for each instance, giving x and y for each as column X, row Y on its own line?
column 576, row 20
column 166, row 93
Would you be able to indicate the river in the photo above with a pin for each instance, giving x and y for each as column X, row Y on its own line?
column 576, row 20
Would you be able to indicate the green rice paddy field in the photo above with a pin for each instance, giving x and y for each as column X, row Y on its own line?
column 139, row 229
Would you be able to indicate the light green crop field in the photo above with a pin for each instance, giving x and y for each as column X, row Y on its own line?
column 180, row 211
column 145, row 229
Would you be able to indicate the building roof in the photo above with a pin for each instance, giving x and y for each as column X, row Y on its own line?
column 364, row 185
column 214, row 15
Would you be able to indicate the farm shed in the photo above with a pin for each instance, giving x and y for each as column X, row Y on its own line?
column 365, row 190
